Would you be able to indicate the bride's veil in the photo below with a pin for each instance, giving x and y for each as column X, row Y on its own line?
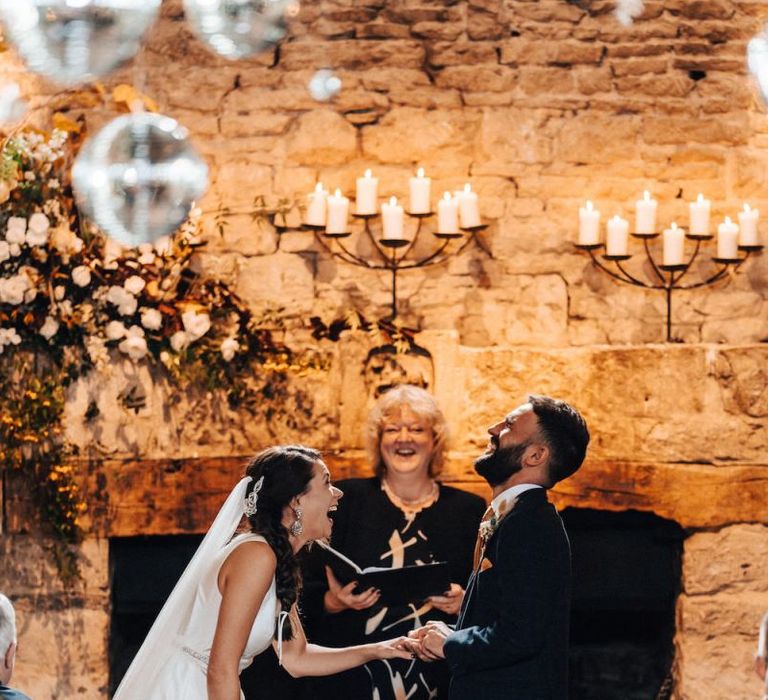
column 139, row 680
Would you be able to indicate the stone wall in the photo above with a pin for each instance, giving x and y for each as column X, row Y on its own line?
column 540, row 105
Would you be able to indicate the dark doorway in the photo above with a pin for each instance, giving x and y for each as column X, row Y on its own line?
column 626, row 578
column 144, row 571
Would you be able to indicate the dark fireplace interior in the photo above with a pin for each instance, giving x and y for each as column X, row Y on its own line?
column 626, row 580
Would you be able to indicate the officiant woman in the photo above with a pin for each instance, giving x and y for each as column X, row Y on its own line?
column 401, row 516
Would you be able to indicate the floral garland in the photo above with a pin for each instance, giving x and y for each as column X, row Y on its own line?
column 71, row 299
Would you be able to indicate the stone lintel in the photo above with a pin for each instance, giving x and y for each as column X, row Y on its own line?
column 146, row 497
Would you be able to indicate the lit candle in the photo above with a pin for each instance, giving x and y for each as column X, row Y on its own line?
column 316, row 206
column 674, row 242
column 699, row 217
column 645, row 214
column 728, row 240
column 469, row 214
column 366, row 197
column 617, row 238
column 420, row 193
column 448, row 214
column 392, row 220
column 338, row 212
column 748, row 234
column 589, row 225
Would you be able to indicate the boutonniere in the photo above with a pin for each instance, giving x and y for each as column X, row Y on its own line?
column 490, row 526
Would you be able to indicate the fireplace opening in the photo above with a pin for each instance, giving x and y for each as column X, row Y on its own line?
column 144, row 571
column 626, row 579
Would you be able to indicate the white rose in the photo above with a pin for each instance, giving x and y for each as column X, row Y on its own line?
column 81, row 276
column 59, row 292
column 128, row 306
column 151, row 319
column 115, row 330
column 113, row 251
column 135, row 344
column 229, row 347
column 37, row 232
column 5, row 251
column 163, row 245
column 9, row 336
column 179, row 341
column 65, row 308
column 49, row 328
column 17, row 224
column 196, row 325
column 17, row 233
column 15, row 249
column 134, row 284
column 13, row 289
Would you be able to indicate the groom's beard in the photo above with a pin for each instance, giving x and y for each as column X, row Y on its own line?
column 498, row 466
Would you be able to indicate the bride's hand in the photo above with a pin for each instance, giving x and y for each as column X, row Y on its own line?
column 397, row 648
column 338, row 597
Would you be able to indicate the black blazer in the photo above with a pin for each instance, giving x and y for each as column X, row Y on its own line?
column 511, row 641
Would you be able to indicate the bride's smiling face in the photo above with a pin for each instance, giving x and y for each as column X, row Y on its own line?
column 317, row 503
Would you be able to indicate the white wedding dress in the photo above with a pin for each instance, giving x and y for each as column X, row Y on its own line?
column 172, row 663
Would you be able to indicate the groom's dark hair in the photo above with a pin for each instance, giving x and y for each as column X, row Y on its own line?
column 286, row 471
column 565, row 432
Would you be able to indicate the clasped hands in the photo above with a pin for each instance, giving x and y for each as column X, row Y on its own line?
column 427, row 642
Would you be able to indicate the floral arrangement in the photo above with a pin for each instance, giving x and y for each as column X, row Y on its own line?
column 72, row 300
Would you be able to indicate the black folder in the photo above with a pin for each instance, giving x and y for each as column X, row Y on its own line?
column 408, row 584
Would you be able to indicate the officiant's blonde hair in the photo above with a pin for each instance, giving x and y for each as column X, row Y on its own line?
column 423, row 404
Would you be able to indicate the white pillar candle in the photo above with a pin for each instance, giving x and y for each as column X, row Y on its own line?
column 419, row 190
column 338, row 213
column 728, row 240
column 589, row 225
column 316, row 206
column 748, row 218
column 645, row 214
column 673, row 246
column 617, row 236
column 448, row 214
column 699, row 217
column 469, row 214
column 366, row 194
column 392, row 220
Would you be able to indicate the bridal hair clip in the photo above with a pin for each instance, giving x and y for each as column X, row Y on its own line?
column 253, row 498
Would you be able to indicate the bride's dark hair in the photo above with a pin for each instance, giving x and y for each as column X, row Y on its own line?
column 287, row 471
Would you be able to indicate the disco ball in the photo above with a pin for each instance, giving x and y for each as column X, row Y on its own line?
column 72, row 41
column 240, row 28
column 138, row 177
column 757, row 61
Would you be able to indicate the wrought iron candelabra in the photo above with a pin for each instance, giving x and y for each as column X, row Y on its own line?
column 667, row 278
column 396, row 254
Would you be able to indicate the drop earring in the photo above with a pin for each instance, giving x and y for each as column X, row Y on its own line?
column 297, row 528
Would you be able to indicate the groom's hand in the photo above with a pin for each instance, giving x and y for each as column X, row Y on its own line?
column 338, row 597
column 431, row 639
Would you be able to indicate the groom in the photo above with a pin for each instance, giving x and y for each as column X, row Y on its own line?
column 511, row 639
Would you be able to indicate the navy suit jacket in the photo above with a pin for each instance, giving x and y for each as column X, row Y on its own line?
column 511, row 640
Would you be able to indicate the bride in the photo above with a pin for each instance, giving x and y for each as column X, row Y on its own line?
column 239, row 593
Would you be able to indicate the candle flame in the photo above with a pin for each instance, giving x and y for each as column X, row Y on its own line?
column 728, row 220
column 447, row 196
column 674, row 226
column 368, row 172
column 393, row 201
column 616, row 217
column 319, row 187
column 467, row 187
column 747, row 208
column 589, row 205
column 647, row 196
column 337, row 193
column 700, row 198
column 420, row 172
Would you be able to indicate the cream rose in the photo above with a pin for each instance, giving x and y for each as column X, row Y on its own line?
column 81, row 276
